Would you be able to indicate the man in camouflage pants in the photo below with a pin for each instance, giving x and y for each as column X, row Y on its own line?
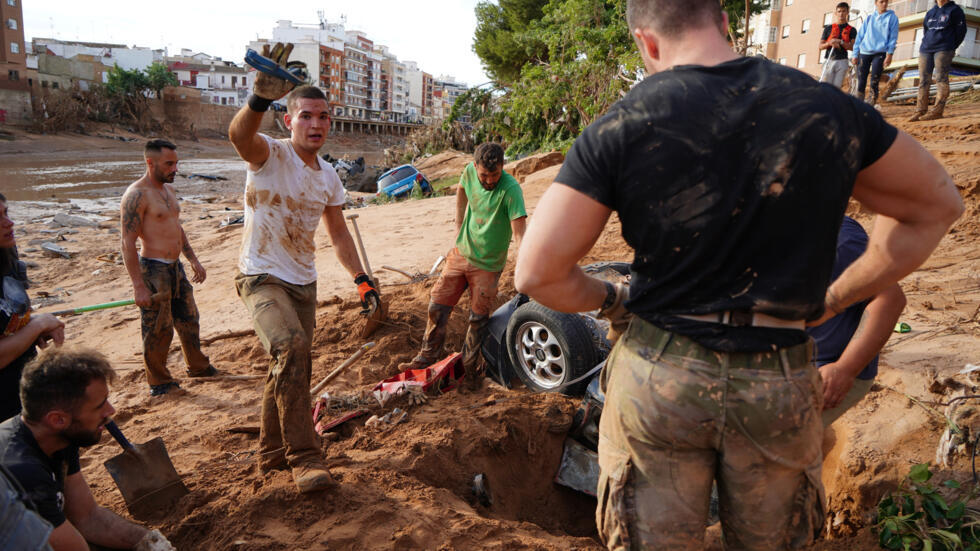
column 730, row 176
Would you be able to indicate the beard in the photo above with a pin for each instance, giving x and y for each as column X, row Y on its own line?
column 77, row 436
column 164, row 177
column 488, row 187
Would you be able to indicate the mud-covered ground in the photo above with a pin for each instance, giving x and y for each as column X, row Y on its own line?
column 408, row 486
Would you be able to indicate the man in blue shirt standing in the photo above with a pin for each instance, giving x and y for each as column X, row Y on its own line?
column 848, row 343
column 943, row 30
column 874, row 47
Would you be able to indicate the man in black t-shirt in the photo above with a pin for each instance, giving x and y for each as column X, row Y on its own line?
column 730, row 177
column 837, row 39
column 65, row 397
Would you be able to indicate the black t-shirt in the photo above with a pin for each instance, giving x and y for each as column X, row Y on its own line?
column 10, row 374
column 41, row 476
column 846, row 31
column 731, row 183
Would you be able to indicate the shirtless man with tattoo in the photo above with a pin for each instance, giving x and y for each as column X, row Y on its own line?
column 151, row 214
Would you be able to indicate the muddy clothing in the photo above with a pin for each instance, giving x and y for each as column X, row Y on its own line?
column 21, row 528
column 456, row 277
column 284, row 201
column 485, row 232
column 177, row 311
column 10, row 374
column 678, row 415
column 731, row 183
column 284, row 317
column 42, row 477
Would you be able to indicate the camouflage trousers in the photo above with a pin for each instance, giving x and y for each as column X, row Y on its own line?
column 284, row 316
column 678, row 416
column 177, row 311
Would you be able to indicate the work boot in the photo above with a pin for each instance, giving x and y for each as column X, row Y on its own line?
column 160, row 390
column 472, row 344
column 418, row 362
column 209, row 372
column 921, row 104
column 942, row 95
column 266, row 466
column 432, row 341
column 312, row 476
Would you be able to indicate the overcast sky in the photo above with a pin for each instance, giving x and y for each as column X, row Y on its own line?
column 437, row 35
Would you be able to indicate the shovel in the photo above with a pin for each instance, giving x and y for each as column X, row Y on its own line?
column 377, row 311
column 145, row 476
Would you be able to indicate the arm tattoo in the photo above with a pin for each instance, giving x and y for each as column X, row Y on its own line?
column 132, row 221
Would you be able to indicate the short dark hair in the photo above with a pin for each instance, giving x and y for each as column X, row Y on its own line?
column 157, row 145
column 303, row 92
column 489, row 155
column 844, row 5
column 58, row 377
column 672, row 17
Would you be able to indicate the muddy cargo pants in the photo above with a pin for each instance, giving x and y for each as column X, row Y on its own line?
column 284, row 316
column 176, row 311
column 456, row 277
column 678, row 416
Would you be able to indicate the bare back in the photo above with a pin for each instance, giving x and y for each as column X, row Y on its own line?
column 151, row 213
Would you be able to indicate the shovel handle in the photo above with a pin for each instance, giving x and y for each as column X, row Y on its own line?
column 118, row 435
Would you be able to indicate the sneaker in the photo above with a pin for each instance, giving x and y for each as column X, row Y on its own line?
column 312, row 477
column 209, row 372
column 160, row 390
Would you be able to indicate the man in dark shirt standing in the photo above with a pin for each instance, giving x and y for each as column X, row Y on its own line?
column 65, row 398
column 730, row 177
column 848, row 343
column 837, row 39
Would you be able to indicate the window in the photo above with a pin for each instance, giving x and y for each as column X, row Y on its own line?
column 54, row 85
column 789, row 2
column 805, row 27
column 782, row 61
column 12, row 24
column 828, row 18
column 14, row 48
column 786, row 31
column 801, row 61
column 11, row 2
column 13, row 75
column 772, row 34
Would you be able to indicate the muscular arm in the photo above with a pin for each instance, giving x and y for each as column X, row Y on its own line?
column 131, row 227
column 88, row 521
column 916, row 203
column 461, row 203
column 343, row 243
column 547, row 263
column 244, row 135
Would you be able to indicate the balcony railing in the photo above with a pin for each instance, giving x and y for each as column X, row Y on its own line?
column 910, row 50
column 905, row 8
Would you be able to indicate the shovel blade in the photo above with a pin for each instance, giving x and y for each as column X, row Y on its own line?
column 377, row 314
column 147, row 480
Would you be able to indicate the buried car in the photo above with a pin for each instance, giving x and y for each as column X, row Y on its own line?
column 551, row 351
column 400, row 180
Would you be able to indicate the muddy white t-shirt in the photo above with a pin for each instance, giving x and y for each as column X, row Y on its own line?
column 284, row 201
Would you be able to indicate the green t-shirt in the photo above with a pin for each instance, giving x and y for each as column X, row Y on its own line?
column 485, row 233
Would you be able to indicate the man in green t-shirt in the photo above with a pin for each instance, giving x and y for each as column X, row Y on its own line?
column 489, row 210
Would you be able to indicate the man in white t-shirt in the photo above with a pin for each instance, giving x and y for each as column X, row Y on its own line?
column 288, row 189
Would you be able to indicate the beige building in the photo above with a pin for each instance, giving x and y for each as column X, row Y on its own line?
column 789, row 32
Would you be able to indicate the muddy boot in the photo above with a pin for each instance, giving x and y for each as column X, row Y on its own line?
column 942, row 94
column 435, row 336
column 921, row 104
column 312, row 476
column 472, row 360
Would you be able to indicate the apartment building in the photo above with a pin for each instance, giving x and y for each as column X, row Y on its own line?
column 15, row 91
column 220, row 83
column 789, row 33
column 331, row 76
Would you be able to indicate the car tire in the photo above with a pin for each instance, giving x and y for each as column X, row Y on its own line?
column 548, row 349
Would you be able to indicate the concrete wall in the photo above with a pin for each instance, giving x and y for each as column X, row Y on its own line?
column 202, row 117
column 16, row 105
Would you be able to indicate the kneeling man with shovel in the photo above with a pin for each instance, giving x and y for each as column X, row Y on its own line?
column 65, row 397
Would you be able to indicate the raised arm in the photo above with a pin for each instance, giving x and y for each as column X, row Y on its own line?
column 132, row 210
column 547, row 264
column 916, row 202
column 244, row 135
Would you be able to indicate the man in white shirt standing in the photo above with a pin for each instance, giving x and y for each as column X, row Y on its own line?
column 288, row 189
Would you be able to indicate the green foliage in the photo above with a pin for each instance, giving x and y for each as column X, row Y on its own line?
column 918, row 517
column 122, row 82
column 736, row 18
column 503, row 40
column 158, row 77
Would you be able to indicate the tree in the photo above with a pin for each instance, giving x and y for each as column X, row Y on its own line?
column 737, row 23
column 503, row 40
column 127, row 91
column 158, row 77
